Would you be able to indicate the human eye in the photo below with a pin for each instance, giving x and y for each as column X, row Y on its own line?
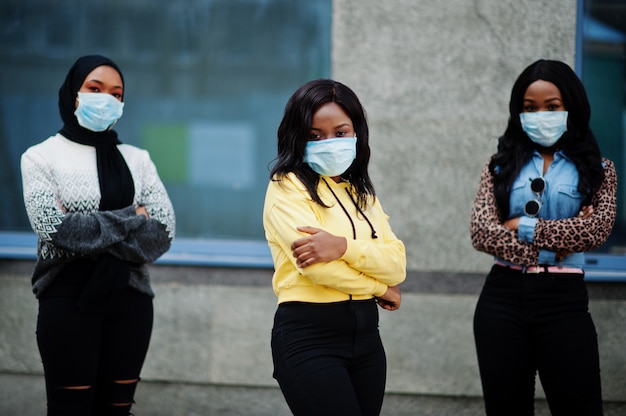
column 117, row 92
column 341, row 133
column 530, row 108
column 314, row 137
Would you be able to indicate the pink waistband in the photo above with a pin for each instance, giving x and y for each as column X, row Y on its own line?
column 542, row 269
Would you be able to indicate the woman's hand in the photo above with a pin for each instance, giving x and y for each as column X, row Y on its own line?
column 61, row 207
column 391, row 299
column 141, row 210
column 512, row 223
column 586, row 211
column 319, row 246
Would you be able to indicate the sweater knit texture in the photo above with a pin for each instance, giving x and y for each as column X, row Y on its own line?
column 62, row 195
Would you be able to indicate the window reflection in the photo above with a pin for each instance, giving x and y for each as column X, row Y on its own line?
column 206, row 84
column 603, row 70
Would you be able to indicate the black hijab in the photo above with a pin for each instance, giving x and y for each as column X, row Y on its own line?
column 117, row 188
column 116, row 183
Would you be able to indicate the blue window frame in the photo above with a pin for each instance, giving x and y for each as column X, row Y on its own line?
column 206, row 85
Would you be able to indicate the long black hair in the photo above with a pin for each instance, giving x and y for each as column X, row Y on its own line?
column 295, row 130
column 515, row 148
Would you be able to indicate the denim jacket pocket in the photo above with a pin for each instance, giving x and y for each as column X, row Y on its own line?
column 519, row 196
column 569, row 201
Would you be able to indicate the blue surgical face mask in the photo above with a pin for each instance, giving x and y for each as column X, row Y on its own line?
column 544, row 127
column 98, row 111
column 330, row 157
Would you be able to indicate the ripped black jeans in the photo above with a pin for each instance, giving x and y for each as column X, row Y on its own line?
column 92, row 360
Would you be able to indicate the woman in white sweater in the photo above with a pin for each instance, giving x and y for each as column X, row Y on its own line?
column 101, row 214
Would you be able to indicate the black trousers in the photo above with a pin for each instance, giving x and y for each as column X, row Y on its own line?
column 329, row 358
column 92, row 360
column 537, row 323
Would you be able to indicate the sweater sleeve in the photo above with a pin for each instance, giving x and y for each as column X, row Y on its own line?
column 120, row 232
column 151, row 240
column 144, row 244
column 83, row 233
column 41, row 201
column 95, row 232
column 154, row 197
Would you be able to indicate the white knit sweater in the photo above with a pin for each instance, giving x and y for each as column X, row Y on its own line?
column 62, row 195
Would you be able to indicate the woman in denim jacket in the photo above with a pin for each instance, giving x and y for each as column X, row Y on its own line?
column 545, row 198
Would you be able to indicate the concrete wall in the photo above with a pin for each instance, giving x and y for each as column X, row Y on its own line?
column 212, row 331
column 435, row 78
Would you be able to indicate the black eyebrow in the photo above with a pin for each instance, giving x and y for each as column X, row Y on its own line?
column 102, row 83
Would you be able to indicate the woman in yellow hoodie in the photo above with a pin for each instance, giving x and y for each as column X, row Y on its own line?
column 335, row 256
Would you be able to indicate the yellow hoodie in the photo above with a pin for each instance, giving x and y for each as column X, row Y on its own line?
column 367, row 268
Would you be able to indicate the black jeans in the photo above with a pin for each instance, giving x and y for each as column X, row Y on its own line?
column 329, row 358
column 528, row 323
column 92, row 360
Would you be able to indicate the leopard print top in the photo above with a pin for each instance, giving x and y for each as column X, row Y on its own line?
column 570, row 234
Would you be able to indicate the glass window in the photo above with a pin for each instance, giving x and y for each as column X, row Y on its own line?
column 601, row 63
column 206, row 85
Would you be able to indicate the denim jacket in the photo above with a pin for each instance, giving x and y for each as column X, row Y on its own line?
column 560, row 199
column 557, row 227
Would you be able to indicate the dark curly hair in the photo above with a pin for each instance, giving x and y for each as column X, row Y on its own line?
column 515, row 148
column 295, row 130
